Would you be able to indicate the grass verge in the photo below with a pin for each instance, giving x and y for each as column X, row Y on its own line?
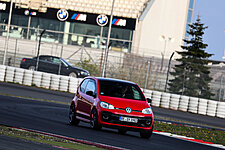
column 205, row 134
column 35, row 137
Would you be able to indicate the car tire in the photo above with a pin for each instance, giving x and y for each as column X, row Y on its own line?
column 122, row 131
column 32, row 68
column 72, row 116
column 146, row 134
column 73, row 74
column 94, row 120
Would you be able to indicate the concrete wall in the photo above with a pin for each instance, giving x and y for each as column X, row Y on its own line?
column 167, row 18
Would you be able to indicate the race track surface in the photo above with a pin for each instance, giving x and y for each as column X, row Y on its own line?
column 53, row 118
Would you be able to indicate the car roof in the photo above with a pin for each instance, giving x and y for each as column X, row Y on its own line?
column 113, row 79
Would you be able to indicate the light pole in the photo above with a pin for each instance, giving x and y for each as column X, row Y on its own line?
column 107, row 43
column 166, row 40
column 39, row 49
column 168, row 70
column 8, row 28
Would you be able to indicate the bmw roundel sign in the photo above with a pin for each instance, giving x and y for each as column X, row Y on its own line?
column 62, row 14
column 102, row 20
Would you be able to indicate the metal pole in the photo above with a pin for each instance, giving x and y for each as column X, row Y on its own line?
column 168, row 70
column 221, row 80
column 15, row 54
column 107, row 43
column 39, row 50
column 28, row 28
column 8, row 28
column 60, row 65
column 146, row 79
column 163, row 54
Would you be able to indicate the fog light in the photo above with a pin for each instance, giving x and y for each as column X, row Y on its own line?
column 105, row 117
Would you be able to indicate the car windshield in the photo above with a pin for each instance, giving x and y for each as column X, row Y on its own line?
column 120, row 90
column 67, row 63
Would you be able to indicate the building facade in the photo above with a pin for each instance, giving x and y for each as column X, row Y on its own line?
column 151, row 28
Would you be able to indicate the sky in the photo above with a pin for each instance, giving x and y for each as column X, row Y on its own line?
column 212, row 14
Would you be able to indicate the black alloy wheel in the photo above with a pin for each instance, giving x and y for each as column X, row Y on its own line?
column 72, row 115
column 94, row 120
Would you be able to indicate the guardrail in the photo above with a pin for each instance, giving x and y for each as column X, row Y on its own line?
column 159, row 99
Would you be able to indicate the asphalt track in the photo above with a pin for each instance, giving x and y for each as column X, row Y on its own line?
column 38, row 93
column 9, row 143
column 53, row 118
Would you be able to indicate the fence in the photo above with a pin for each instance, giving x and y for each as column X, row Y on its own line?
column 65, row 83
column 148, row 72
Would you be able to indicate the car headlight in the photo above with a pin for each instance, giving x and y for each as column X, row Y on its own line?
column 106, row 105
column 147, row 111
column 84, row 73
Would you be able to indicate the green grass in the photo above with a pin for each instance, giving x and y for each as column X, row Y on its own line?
column 7, row 131
column 205, row 134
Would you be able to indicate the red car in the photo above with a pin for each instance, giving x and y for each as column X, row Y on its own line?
column 112, row 103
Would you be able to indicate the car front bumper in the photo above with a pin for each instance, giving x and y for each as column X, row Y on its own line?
column 113, row 120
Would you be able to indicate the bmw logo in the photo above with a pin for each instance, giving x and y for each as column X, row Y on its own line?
column 62, row 14
column 102, row 20
column 128, row 110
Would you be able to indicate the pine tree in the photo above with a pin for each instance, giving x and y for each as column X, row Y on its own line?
column 191, row 75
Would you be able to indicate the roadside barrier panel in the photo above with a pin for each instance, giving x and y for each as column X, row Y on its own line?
column 10, row 72
column 19, row 73
column 220, row 110
column 28, row 76
column 174, row 101
column 63, row 83
column 2, row 72
column 183, row 105
column 156, row 96
column 73, row 84
column 193, row 105
column 165, row 100
column 37, row 77
column 202, row 106
column 147, row 93
column 211, row 109
column 45, row 82
column 54, row 84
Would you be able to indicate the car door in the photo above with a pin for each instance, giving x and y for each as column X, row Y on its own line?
column 86, row 100
column 44, row 63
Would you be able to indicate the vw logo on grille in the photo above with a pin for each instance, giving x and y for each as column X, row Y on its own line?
column 62, row 14
column 128, row 110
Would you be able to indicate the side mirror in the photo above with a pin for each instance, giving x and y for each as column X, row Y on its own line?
column 149, row 100
column 91, row 93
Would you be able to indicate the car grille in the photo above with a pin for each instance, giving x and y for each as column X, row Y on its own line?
column 114, row 118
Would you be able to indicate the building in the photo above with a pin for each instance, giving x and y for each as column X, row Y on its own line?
column 150, row 28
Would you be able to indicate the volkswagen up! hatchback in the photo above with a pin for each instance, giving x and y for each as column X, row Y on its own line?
column 112, row 103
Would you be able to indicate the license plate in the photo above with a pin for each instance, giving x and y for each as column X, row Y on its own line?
column 128, row 119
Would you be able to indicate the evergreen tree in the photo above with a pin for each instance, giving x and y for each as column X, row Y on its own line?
column 191, row 75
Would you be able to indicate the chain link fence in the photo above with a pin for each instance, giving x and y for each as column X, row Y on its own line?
column 148, row 72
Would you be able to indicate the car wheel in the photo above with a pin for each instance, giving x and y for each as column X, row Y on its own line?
column 94, row 120
column 32, row 68
column 73, row 74
column 72, row 115
column 122, row 131
column 146, row 134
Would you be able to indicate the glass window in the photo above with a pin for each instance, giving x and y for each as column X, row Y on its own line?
column 83, row 85
column 191, row 4
column 189, row 19
column 45, row 58
column 91, row 86
column 120, row 90
column 56, row 60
